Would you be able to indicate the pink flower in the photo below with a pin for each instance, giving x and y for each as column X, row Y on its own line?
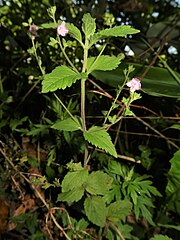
column 134, row 84
column 62, row 29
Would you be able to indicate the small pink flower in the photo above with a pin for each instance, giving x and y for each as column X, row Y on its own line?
column 33, row 30
column 134, row 84
column 62, row 29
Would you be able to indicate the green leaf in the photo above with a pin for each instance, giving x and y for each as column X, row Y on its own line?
column 118, row 31
column 82, row 224
column 176, row 126
column 160, row 237
column 74, row 180
column 60, row 78
column 159, row 30
column 169, row 226
column 38, row 129
column 89, row 25
column 173, row 185
column 113, row 193
column 48, row 25
column 142, row 207
column 119, row 210
column 95, row 38
column 125, row 230
column 14, row 123
column 157, row 82
column 53, row 42
column 103, row 63
column 118, row 168
column 68, row 124
column 98, row 183
column 74, row 32
column 73, row 195
column 95, row 210
column 101, row 139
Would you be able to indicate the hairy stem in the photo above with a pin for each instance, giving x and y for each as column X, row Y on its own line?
column 83, row 95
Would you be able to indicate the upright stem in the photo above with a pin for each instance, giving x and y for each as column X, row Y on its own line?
column 83, row 95
column 83, row 115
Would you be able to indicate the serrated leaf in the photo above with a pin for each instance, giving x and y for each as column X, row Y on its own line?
column 95, row 38
column 74, row 180
column 98, row 183
column 103, row 63
column 125, row 230
column 118, row 31
column 89, row 25
column 95, row 210
column 119, row 210
column 160, row 237
column 73, row 195
column 68, row 124
column 173, row 184
column 74, row 32
column 101, row 139
column 60, row 78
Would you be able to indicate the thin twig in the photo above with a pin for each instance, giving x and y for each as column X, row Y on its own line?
column 156, row 131
column 131, row 159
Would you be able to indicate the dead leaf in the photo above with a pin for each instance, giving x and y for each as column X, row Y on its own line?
column 4, row 212
column 28, row 204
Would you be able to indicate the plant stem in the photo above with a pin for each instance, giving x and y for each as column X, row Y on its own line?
column 59, row 100
column 67, row 58
column 37, row 58
column 83, row 95
column 83, row 89
column 97, row 57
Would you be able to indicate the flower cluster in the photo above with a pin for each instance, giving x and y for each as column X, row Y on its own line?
column 62, row 29
column 134, row 84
